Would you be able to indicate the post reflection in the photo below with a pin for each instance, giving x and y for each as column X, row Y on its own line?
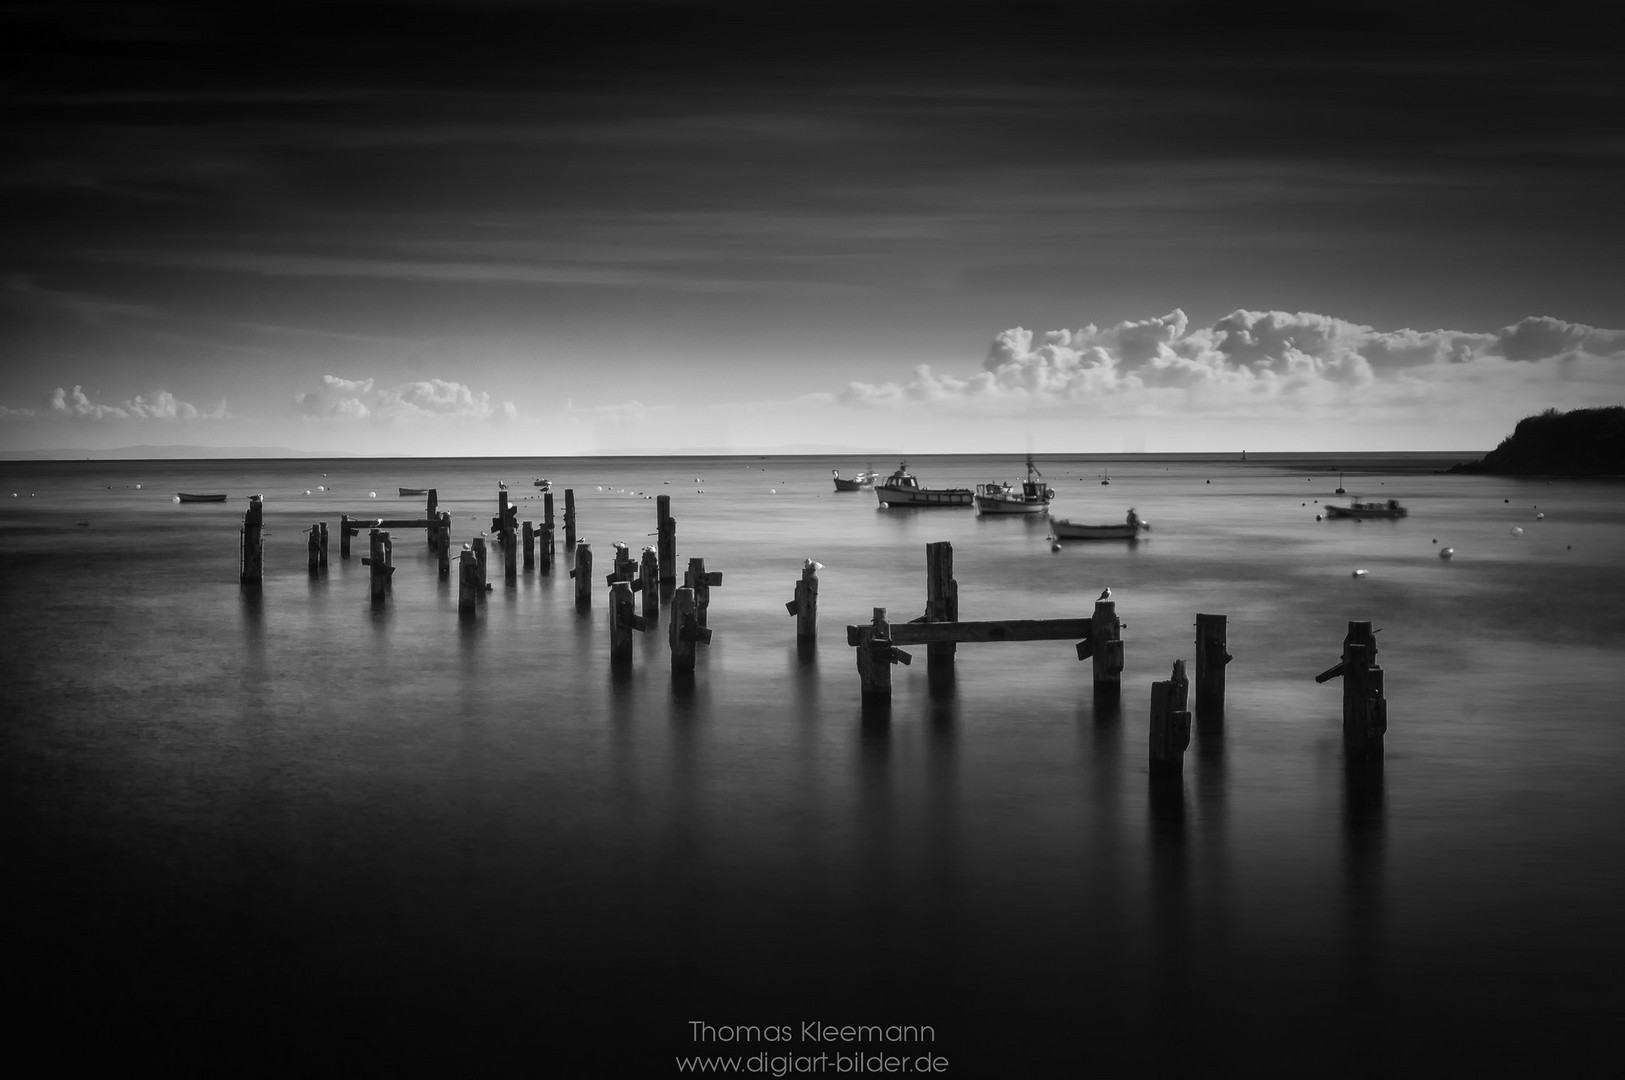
column 1364, row 874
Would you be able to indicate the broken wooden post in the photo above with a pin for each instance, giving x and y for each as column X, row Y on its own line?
column 344, row 536
column 701, row 582
column 583, row 575
column 622, row 566
column 649, row 583
column 1170, row 721
column 527, row 540
column 1211, row 658
column 547, row 529
column 623, row 619
column 941, row 603
column 1105, row 645
column 322, row 550
column 1365, row 710
column 478, row 544
column 380, row 559
column 468, row 581
column 431, row 511
column 805, row 606
column 506, row 531
column 442, row 544
column 876, row 655
column 314, row 548
column 666, row 539
column 570, row 519
column 251, row 554
column 685, row 631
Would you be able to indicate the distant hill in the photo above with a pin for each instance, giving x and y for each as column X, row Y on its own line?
column 1583, row 442
column 125, row 453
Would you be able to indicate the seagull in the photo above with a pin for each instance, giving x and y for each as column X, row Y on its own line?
column 1105, row 594
column 810, row 564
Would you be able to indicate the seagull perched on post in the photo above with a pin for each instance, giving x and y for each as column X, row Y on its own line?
column 1105, row 594
column 810, row 564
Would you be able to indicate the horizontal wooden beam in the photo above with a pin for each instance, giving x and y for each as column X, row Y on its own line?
column 916, row 633
column 361, row 525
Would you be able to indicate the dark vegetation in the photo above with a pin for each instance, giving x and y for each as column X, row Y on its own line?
column 1584, row 442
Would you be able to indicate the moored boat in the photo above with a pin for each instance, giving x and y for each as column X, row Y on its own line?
column 1128, row 529
column 855, row 483
column 902, row 488
column 184, row 496
column 1032, row 497
column 1358, row 509
column 543, row 483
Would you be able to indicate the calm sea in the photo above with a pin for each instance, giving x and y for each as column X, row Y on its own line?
column 287, row 828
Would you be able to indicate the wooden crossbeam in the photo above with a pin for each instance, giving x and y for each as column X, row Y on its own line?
column 917, row 633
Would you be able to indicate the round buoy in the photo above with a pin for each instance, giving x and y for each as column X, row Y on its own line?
column 1516, row 531
column 1055, row 545
column 1317, row 517
column 772, row 491
column 372, row 494
column 1506, row 500
column 1447, row 553
column 307, row 491
column 1360, row 573
column 1540, row 517
column 176, row 500
column 1435, row 539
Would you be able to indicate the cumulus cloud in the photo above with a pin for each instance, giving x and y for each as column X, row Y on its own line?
column 75, row 404
column 434, row 401
column 1265, row 359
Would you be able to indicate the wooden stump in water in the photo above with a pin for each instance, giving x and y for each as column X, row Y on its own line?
column 314, row 548
column 684, row 631
column 322, row 550
column 442, row 544
column 1211, row 657
column 876, row 655
column 527, row 540
column 380, row 559
column 468, row 581
column 666, row 539
column 583, row 577
column 478, row 544
column 1106, row 639
column 805, row 606
column 569, row 519
column 623, row 620
column 344, row 536
column 547, row 529
column 1365, row 709
column 1170, row 721
column 251, row 559
column 431, row 511
column 649, row 584
column 701, row 582
column 941, row 603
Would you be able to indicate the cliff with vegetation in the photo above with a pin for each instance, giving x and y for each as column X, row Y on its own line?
column 1584, row 442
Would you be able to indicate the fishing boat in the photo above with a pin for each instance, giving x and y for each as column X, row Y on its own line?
column 543, row 483
column 1032, row 497
column 1358, row 509
column 413, row 491
column 1128, row 529
column 855, row 483
column 902, row 488
column 185, row 496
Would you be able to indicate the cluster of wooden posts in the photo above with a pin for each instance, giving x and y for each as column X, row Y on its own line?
column 878, row 644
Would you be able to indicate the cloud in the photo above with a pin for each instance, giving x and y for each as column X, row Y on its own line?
column 428, row 401
column 1260, row 360
column 163, row 406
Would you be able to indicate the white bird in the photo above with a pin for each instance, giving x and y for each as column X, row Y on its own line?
column 1105, row 594
column 809, row 564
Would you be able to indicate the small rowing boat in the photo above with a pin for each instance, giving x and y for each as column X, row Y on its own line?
column 1128, row 529
column 185, row 496
column 413, row 491
column 856, row 483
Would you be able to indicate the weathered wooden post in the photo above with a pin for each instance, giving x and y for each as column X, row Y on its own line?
column 442, row 544
column 322, row 550
column 344, row 536
column 505, row 528
column 685, row 631
column 666, row 539
column 468, row 581
column 251, row 558
column 379, row 558
column 570, row 518
column 805, row 606
column 479, row 560
column 622, row 566
column 649, row 583
column 527, row 540
column 876, row 655
column 1106, row 646
column 431, row 513
column 1365, row 709
column 701, row 582
column 547, row 529
column 1211, row 657
column 583, row 575
column 314, row 548
column 1170, row 721
column 623, row 619
column 941, row 604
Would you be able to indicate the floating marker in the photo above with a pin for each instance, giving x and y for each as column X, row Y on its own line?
column 1516, row 531
column 1447, row 553
column 1360, row 573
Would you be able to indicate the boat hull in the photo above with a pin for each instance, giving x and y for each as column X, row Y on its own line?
column 186, row 497
column 1380, row 513
column 843, row 484
column 923, row 497
column 1072, row 530
column 988, row 504
column 413, row 491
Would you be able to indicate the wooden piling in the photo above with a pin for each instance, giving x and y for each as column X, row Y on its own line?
column 623, row 620
column 876, row 655
column 570, row 519
column 314, row 548
column 805, row 606
column 666, row 539
column 468, row 581
column 547, row 529
column 701, row 582
column 431, row 511
column 1211, row 657
column 442, row 544
column 251, row 555
column 478, row 544
column 1106, row 646
column 941, row 603
column 380, row 558
column 583, row 576
column 344, row 536
column 649, row 583
column 1170, row 721
column 1365, row 709
column 622, row 568
column 506, row 536
column 322, row 549
column 527, row 540
column 684, row 631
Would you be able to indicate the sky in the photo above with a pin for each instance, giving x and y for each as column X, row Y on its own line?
column 555, row 228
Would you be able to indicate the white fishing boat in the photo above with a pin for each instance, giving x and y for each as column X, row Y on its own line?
column 902, row 488
column 1032, row 497
column 856, row 483
column 1128, row 529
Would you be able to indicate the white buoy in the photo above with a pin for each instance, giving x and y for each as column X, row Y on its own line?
column 176, row 500
column 1540, row 517
column 772, row 491
column 1516, row 531
column 307, row 491
column 1360, row 573
column 372, row 494
column 1447, row 553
